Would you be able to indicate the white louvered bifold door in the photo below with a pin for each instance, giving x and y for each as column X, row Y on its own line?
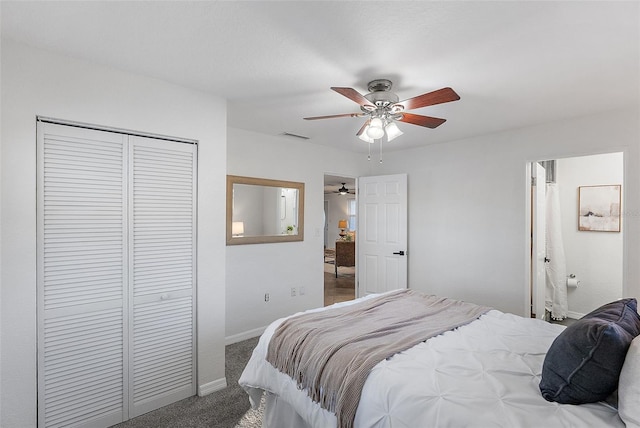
column 116, row 275
column 162, row 273
column 81, row 276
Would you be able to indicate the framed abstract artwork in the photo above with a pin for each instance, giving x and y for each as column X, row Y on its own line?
column 599, row 208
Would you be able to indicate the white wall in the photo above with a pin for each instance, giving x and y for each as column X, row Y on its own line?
column 1, row 392
column 36, row 82
column 1, row 175
column 338, row 210
column 468, row 233
column 253, row 270
column 594, row 257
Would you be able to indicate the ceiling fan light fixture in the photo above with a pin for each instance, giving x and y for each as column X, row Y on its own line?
column 375, row 129
column 392, row 131
column 382, row 107
column 365, row 137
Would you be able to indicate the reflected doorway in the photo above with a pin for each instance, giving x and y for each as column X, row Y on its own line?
column 340, row 230
column 573, row 271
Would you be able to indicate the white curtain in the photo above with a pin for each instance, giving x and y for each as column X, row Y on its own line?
column 556, row 269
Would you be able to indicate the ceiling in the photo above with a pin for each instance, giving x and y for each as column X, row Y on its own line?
column 514, row 64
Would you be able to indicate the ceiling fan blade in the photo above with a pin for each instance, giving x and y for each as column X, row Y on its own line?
column 440, row 96
column 353, row 95
column 361, row 130
column 426, row 121
column 332, row 116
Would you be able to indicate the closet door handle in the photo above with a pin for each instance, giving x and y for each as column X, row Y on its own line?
column 400, row 253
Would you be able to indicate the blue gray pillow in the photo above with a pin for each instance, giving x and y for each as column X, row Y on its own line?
column 584, row 362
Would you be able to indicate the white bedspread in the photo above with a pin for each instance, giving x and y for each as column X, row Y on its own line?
column 483, row 374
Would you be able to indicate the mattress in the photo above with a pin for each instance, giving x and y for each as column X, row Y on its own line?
column 485, row 373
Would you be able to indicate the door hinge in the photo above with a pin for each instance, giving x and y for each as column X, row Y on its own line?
column 533, row 181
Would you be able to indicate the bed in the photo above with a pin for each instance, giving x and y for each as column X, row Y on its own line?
column 484, row 373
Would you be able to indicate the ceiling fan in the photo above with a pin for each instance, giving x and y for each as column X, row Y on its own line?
column 383, row 109
column 343, row 190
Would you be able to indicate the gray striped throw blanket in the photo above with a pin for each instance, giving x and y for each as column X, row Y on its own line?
column 330, row 353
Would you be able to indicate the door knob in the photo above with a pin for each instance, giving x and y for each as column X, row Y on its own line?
column 400, row 253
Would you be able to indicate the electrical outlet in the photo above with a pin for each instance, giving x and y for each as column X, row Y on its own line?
column 266, row 297
column 302, row 290
column 293, row 292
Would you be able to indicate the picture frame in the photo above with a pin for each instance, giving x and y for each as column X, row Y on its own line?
column 599, row 208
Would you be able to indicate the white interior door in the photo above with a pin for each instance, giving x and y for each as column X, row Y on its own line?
column 538, row 255
column 81, row 272
column 116, row 275
column 382, row 233
column 162, row 272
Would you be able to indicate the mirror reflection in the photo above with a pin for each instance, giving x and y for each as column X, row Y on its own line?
column 262, row 210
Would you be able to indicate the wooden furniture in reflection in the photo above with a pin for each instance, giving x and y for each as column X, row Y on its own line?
column 345, row 254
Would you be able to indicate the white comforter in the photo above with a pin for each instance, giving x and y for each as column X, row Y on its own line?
column 484, row 374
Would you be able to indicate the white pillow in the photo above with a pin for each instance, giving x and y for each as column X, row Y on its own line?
column 629, row 387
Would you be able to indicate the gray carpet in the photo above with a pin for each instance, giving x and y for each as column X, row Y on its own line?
column 228, row 408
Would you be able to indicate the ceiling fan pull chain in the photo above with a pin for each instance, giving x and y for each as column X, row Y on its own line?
column 369, row 156
column 380, row 150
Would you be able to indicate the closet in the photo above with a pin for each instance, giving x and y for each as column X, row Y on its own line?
column 116, row 274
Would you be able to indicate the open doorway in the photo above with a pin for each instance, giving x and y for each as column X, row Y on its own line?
column 574, row 270
column 340, row 230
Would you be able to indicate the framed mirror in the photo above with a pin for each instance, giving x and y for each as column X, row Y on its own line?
column 261, row 211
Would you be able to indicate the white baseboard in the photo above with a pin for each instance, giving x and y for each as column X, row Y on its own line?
column 575, row 315
column 230, row 340
column 210, row 387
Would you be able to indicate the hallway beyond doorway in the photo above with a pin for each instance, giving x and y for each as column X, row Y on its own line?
column 338, row 289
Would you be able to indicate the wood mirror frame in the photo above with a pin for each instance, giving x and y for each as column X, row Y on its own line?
column 297, row 232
